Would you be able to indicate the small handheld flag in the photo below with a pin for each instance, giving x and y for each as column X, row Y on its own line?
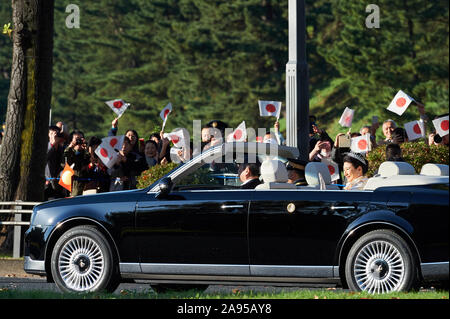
column 441, row 125
column 239, row 134
column 360, row 144
column 415, row 130
column 347, row 117
column 118, row 106
column 333, row 168
column 400, row 103
column 178, row 138
column 269, row 108
column 165, row 113
column 108, row 150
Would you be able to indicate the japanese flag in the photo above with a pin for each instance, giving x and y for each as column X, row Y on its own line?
column 108, row 150
column 333, row 168
column 174, row 154
column 66, row 177
column 360, row 144
column 400, row 103
column 415, row 130
column 441, row 125
column 347, row 117
column 178, row 138
column 239, row 134
column 269, row 108
column 115, row 142
column 118, row 106
column 165, row 113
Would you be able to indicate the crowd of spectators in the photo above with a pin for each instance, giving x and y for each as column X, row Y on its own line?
column 137, row 155
column 353, row 165
column 90, row 175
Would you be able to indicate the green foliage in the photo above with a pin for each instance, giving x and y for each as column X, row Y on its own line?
column 415, row 153
column 154, row 173
column 213, row 59
column 7, row 29
column 409, row 52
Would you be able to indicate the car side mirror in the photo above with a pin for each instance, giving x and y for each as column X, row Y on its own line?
column 165, row 187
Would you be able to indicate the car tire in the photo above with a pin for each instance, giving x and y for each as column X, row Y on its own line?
column 82, row 261
column 380, row 262
column 163, row 288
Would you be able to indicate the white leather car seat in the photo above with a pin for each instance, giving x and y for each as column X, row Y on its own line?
column 395, row 168
column 312, row 171
column 431, row 169
column 274, row 175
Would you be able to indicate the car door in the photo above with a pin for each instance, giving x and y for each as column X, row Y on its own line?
column 428, row 213
column 197, row 229
column 296, row 232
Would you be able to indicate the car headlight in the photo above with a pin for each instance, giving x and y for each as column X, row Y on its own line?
column 41, row 218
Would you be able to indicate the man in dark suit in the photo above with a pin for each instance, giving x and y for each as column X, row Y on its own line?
column 296, row 172
column 249, row 175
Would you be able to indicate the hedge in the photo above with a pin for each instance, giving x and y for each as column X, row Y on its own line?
column 415, row 153
column 154, row 173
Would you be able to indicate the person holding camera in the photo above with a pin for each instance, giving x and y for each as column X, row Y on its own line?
column 436, row 139
column 53, row 167
column 76, row 154
column 320, row 143
column 95, row 174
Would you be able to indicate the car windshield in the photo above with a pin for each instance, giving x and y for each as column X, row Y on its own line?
column 220, row 173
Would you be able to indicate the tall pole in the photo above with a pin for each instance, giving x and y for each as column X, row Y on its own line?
column 297, row 97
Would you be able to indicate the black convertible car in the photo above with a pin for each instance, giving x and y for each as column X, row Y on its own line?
column 196, row 226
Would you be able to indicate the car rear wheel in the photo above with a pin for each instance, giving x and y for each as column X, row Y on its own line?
column 82, row 261
column 380, row 262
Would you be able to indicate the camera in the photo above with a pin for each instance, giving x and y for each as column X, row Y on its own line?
column 79, row 141
column 437, row 139
column 344, row 141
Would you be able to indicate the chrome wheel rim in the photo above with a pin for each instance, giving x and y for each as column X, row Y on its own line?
column 81, row 263
column 379, row 268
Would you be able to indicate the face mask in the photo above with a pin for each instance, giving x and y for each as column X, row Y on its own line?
column 324, row 153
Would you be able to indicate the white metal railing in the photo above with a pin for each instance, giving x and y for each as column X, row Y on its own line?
column 17, row 210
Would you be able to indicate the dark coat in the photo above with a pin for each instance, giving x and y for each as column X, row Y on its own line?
column 252, row 184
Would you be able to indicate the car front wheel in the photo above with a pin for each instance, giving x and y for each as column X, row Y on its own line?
column 82, row 261
column 380, row 262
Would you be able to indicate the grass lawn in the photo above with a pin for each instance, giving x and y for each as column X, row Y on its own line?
column 6, row 293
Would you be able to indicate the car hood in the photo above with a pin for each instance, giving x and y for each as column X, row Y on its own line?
column 95, row 205
column 88, row 199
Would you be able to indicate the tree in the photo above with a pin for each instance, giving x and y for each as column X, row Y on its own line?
column 24, row 148
column 213, row 59
column 5, row 63
column 409, row 52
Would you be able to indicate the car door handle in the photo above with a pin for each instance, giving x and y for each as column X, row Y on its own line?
column 231, row 206
column 342, row 207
